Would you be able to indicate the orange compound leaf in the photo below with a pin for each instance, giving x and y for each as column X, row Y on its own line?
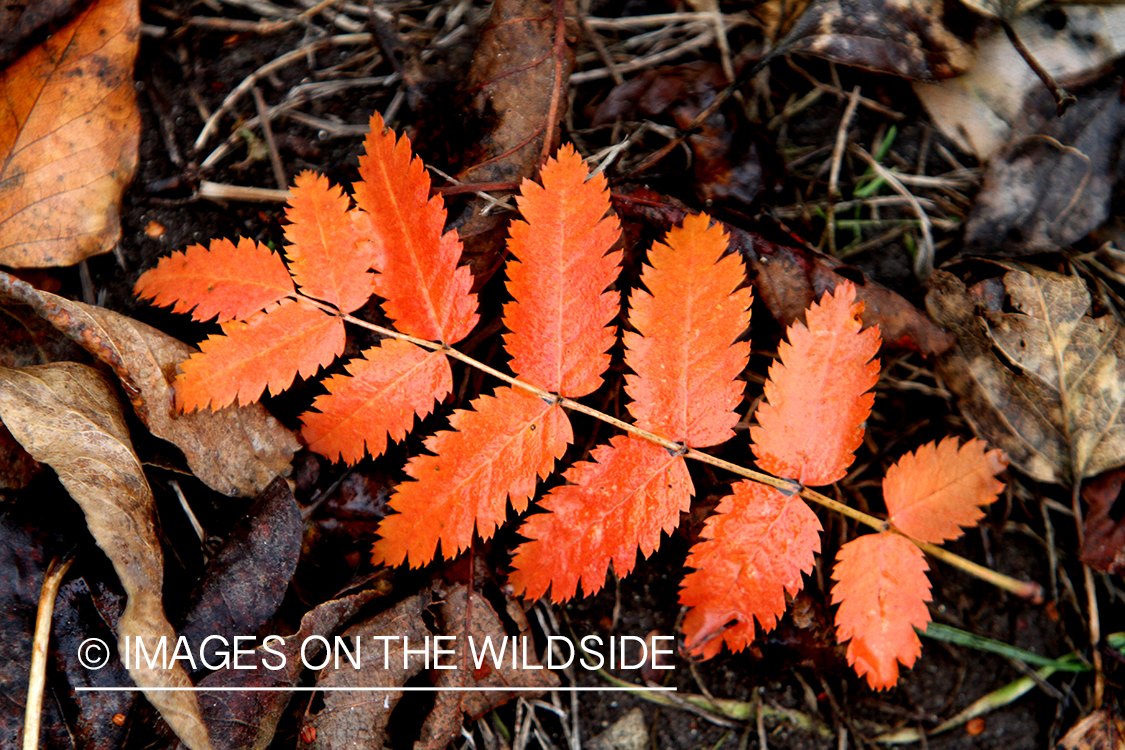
column 622, row 500
column 684, row 352
column 933, row 492
column 329, row 254
column 882, row 589
column 379, row 397
column 816, row 397
column 496, row 452
column 266, row 351
column 228, row 281
column 757, row 546
column 560, row 314
column 424, row 290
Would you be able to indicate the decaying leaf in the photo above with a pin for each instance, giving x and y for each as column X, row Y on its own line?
column 1046, row 382
column 1053, row 182
column 69, row 131
column 234, row 451
column 245, row 581
column 979, row 109
column 67, row 416
column 467, row 614
column 909, row 39
column 733, row 162
column 516, row 95
column 248, row 718
column 1103, row 541
column 347, row 718
column 1102, row 730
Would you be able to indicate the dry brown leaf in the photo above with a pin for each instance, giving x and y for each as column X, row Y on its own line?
column 247, row 719
column 1046, row 382
column 1102, row 730
column 69, row 131
column 1053, row 183
column 348, row 718
column 518, row 70
column 67, row 416
column 908, row 39
column 236, row 451
column 463, row 614
column 1103, row 538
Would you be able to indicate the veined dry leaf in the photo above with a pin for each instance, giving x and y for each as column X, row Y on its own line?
column 233, row 451
column 1102, row 730
column 67, row 416
column 1045, row 383
column 908, row 39
column 516, row 73
column 69, row 131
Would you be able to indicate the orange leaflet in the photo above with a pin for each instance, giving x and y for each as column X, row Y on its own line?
column 329, row 254
column 933, row 492
column 268, row 350
column 226, row 280
column 622, row 500
column 684, row 352
column 424, row 290
column 377, row 398
column 757, row 546
column 882, row 590
column 816, row 396
column 495, row 452
column 558, row 319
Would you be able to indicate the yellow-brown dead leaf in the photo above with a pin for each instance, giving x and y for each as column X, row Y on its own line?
column 69, row 130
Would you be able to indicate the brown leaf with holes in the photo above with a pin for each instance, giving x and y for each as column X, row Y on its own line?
column 67, row 416
column 235, row 451
column 908, row 39
column 69, row 132
column 1045, row 382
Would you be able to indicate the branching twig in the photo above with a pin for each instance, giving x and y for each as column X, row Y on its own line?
column 1025, row 589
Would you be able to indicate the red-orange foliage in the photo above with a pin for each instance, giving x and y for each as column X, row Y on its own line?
column 685, row 351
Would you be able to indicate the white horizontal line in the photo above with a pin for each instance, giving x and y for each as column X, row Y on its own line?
column 637, row 689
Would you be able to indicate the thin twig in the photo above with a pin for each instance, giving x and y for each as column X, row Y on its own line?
column 271, row 144
column 924, row 262
column 834, row 172
column 37, row 679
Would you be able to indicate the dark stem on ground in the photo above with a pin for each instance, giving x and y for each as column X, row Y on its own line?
column 1063, row 98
